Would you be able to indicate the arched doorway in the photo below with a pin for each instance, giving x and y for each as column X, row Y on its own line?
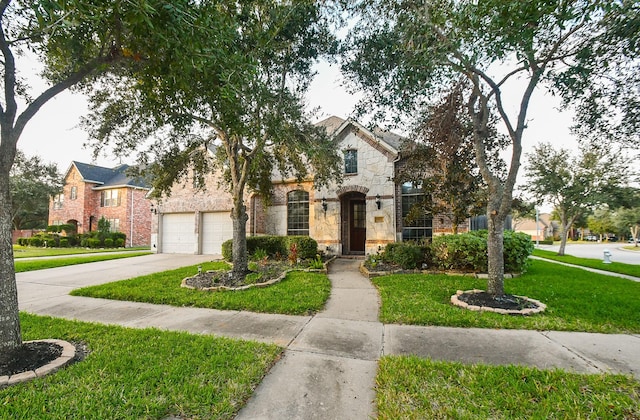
column 353, row 223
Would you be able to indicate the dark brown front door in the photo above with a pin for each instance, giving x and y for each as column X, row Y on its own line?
column 357, row 226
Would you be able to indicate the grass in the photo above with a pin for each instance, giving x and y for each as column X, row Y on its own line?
column 413, row 388
column 616, row 267
column 577, row 300
column 30, row 252
column 300, row 293
column 141, row 374
column 41, row 264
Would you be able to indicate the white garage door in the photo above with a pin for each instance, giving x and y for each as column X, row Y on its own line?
column 178, row 233
column 216, row 228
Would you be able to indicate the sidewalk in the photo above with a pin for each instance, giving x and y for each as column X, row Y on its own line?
column 329, row 364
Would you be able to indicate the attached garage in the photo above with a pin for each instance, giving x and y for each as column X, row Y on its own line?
column 179, row 234
column 217, row 227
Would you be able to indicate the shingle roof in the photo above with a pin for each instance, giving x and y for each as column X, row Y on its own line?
column 333, row 124
column 108, row 177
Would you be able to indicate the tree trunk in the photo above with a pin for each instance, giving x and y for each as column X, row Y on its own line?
column 564, row 231
column 495, row 248
column 10, row 334
column 239, row 250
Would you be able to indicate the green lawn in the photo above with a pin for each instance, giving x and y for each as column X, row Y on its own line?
column 41, row 264
column 29, row 251
column 300, row 293
column 577, row 300
column 616, row 267
column 139, row 374
column 414, row 388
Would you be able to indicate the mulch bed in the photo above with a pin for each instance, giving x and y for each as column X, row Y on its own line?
column 509, row 302
column 29, row 356
column 209, row 279
column 34, row 355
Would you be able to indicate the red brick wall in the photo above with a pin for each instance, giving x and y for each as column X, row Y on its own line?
column 87, row 204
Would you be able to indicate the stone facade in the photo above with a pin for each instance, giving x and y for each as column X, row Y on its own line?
column 80, row 203
column 356, row 217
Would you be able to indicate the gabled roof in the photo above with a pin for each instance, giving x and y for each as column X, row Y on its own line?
column 335, row 126
column 108, row 177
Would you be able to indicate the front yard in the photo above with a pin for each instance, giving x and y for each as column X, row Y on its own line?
column 139, row 374
column 300, row 293
column 153, row 374
column 577, row 300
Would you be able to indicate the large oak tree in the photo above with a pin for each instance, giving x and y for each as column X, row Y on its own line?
column 241, row 96
column 402, row 52
column 78, row 41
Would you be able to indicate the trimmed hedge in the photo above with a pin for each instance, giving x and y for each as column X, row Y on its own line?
column 275, row 246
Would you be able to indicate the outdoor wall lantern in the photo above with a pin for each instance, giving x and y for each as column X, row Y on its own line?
column 153, row 209
column 378, row 202
column 324, row 204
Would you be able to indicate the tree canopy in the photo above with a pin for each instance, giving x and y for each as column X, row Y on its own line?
column 403, row 53
column 233, row 83
column 440, row 159
column 78, row 41
column 32, row 183
column 574, row 185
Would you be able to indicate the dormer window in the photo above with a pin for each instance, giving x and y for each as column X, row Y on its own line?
column 351, row 161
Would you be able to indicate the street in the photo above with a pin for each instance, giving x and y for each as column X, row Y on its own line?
column 596, row 250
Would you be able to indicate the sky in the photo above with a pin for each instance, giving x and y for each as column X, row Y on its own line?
column 54, row 135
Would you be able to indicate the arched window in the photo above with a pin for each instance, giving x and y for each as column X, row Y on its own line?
column 298, row 213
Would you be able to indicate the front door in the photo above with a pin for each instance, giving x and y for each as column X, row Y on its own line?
column 357, row 226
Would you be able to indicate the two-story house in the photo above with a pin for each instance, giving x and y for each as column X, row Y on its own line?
column 91, row 192
column 359, row 216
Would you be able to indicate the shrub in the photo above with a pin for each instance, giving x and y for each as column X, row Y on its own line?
column 466, row 251
column 119, row 243
column 68, row 229
column 259, row 254
column 53, row 228
column 227, row 250
column 64, row 243
column 72, row 240
column 119, row 235
column 517, row 248
column 35, row 241
column 307, row 248
column 84, row 242
column 108, row 243
column 93, row 242
column 407, row 255
column 275, row 246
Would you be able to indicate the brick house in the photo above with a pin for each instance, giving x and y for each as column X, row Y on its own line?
column 91, row 192
column 358, row 217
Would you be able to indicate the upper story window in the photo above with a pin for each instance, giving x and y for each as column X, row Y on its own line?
column 298, row 213
column 74, row 192
column 351, row 161
column 109, row 198
column 58, row 200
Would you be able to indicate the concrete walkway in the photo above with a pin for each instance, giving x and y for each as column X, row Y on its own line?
column 329, row 364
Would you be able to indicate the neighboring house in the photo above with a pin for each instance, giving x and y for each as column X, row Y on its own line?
column 91, row 192
column 358, row 217
column 544, row 229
